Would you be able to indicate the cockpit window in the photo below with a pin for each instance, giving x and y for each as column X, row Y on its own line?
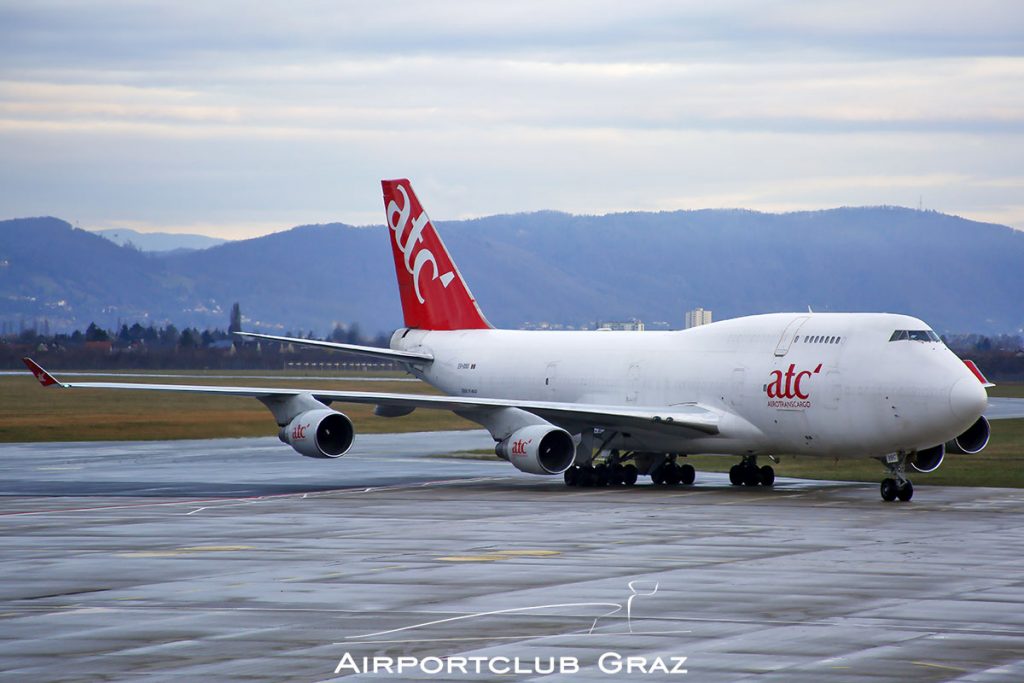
column 914, row 335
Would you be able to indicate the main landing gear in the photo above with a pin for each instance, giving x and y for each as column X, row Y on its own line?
column 896, row 486
column 747, row 473
column 622, row 468
column 602, row 474
column 672, row 473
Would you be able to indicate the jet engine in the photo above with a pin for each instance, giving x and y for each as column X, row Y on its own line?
column 319, row 433
column 929, row 459
column 973, row 440
column 538, row 449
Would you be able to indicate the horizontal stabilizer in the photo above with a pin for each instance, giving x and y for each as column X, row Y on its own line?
column 45, row 378
column 973, row 367
column 374, row 351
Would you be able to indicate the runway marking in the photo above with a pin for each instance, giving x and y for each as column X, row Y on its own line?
column 230, row 501
column 940, row 666
column 203, row 609
column 499, row 555
column 529, row 553
column 472, row 639
column 511, row 610
column 187, row 550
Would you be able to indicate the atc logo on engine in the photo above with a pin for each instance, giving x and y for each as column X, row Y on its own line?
column 790, row 389
column 519, row 446
column 299, row 431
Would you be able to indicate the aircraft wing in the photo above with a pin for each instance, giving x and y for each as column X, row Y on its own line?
column 1005, row 409
column 374, row 351
column 681, row 417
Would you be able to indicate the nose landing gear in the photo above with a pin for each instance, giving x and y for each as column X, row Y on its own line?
column 896, row 486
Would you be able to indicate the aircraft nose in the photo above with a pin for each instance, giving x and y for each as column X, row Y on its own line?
column 967, row 398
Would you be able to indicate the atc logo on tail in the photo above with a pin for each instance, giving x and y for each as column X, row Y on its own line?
column 434, row 295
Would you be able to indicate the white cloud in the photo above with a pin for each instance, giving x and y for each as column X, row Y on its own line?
column 236, row 114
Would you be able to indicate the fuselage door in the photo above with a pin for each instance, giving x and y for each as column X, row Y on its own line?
column 633, row 383
column 789, row 335
column 550, row 375
column 738, row 387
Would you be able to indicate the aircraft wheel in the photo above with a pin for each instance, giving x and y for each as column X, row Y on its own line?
column 671, row 474
column 905, row 492
column 616, row 474
column 889, row 490
column 602, row 475
column 571, row 476
column 687, row 474
column 585, row 476
column 767, row 474
column 658, row 476
column 629, row 475
column 735, row 475
column 751, row 476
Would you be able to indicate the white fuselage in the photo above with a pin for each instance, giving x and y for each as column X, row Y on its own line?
column 828, row 384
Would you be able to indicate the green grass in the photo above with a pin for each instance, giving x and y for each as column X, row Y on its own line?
column 29, row 412
column 1000, row 464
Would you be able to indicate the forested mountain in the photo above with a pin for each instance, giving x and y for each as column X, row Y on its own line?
column 959, row 275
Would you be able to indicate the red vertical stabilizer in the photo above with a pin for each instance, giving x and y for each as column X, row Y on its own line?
column 434, row 295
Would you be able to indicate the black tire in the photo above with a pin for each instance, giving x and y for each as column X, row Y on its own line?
column 687, row 474
column 585, row 477
column 671, row 474
column 571, row 476
column 905, row 492
column 629, row 475
column 735, row 475
column 751, row 476
column 602, row 475
column 767, row 474
column 889, row 489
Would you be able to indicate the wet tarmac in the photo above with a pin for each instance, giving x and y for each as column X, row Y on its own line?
column 240, row 560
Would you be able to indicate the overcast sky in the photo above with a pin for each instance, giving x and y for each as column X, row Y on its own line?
column 240, row 118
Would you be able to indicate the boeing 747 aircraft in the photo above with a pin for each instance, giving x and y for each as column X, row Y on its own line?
column 606, row 407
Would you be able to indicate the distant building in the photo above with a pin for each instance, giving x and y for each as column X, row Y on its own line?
column 697, row 317
column 100, row 346
column 624, row 326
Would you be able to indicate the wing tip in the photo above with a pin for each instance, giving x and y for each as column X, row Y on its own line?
column 44, row 377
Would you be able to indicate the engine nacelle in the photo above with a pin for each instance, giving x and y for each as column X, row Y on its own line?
column 539, row 449
column 319, row 433
column 929, row 459
column 973, row 440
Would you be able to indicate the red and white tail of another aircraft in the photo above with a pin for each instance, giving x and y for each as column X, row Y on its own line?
column 606, row 407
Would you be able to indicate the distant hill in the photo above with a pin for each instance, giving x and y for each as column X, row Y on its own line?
column 159, row 241
column 958, row 275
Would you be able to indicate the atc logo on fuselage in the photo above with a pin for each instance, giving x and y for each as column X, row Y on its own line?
column 790, row 389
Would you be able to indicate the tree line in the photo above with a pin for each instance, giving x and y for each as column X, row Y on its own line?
column 1000, row 357
column 167, row 347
